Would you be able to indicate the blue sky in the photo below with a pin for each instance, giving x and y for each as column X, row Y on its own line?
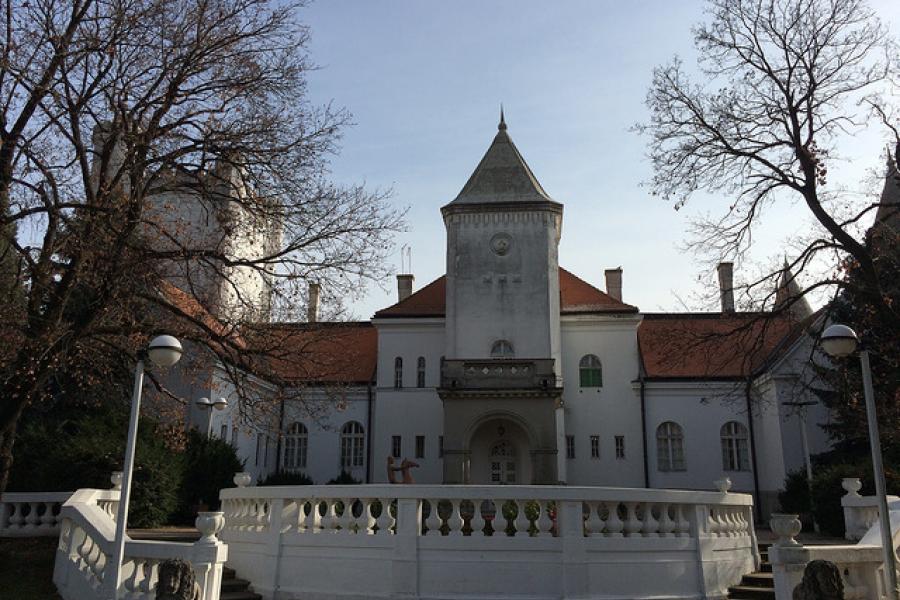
column 424, row 80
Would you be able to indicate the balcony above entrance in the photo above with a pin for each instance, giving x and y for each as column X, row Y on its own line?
column 498, row 374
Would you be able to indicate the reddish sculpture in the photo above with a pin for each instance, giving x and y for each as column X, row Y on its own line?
column 404, row 467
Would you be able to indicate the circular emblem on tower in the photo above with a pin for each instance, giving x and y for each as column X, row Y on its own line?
column 500, row 243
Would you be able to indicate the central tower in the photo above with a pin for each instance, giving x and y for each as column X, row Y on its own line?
column 503, row 234
column 500, row 380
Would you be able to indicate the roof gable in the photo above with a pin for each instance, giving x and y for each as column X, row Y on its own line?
column 576, row 297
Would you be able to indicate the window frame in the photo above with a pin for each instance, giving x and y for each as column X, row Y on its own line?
column 398, row 373
column 296, row 447
column 735, row 440
column 353, row 445
column 420, row 446
column 620, row 447
column 420, row 372
column 502, row 349
column 397, row 446
column 570, row 447
column 590, row 372
column 670, row 456
column 595, row 446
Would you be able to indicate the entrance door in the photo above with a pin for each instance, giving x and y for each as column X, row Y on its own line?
column 503, row 463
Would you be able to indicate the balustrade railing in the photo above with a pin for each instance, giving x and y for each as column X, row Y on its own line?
column 290, row 539
column 31, row 514
column 82, row 570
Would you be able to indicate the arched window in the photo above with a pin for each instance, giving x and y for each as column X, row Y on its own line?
column 502, row 349
column 353, row 444
column 670, row 447
column 398, row 372
column 420, row 372
column 590, row 371
column 296, row 442
column 735, row 452
column 503, row 463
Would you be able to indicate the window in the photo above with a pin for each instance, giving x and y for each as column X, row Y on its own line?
column 570, row 446
column 420, row 446
column 502, row 349
column 296, row 443
column 398, row 372
column 223, row 433
column 620, row 446
column 396, row 446
column 234, row 435
column 353, row 443
column 420, row 372
column 440, row 446
column 503, row 463
column 670, row 447
column 258, row 444
column 595, row 446
column 590, row 372
column 735, row 456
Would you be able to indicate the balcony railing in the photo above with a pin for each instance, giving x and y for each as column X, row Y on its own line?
column 498, row 373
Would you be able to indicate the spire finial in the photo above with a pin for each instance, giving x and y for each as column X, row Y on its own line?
column 502, row 125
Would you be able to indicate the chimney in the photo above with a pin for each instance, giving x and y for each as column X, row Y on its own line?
column 404, row 286
column 312, row 309
column 726, row 286
column 614, row 282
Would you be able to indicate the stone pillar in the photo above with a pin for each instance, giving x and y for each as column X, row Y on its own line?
column 561, row 474
column 405, row 563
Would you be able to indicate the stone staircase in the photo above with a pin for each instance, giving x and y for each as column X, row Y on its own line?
column 234, row 588
column 758, row 585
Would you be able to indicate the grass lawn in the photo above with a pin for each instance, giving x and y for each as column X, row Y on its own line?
column 26, row 568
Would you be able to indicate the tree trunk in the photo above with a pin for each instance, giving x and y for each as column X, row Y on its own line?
column 7, row 441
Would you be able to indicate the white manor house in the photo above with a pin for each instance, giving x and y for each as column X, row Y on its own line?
column 512, row 370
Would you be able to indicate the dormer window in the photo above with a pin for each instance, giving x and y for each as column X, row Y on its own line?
column 502, row 349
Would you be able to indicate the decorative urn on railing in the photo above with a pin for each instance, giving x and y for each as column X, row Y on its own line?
column 115, row 479
column 786, row 527
column 209, row 524
column 242, row 479
column 852, row 485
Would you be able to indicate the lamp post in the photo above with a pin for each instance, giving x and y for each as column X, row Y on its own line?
column 163, row 351
column 207, row 405
column 840, row 341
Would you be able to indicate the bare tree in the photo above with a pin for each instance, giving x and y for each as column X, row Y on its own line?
column 161, row 169
column 787, row 80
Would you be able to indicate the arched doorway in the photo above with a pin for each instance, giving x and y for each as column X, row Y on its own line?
column 500, row 453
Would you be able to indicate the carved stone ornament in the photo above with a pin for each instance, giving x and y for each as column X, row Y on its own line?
column 821, row 581
column 177, row 581
column 501, row 243
column 851, row 485
column 209, row 524
column 786, row 527
column 242, row 479
column 116, row 480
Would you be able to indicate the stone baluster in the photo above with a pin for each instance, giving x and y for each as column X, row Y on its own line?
column 650, row 527
column 384, row 521
column 433, row 522
column 455, row 521
column 614, row 524
column 477, row 523
column 329, row 519
column 594, row 524
column 17, row 518
column 682, row 524
column 367, row 515
column 544, row 523
column 666, row 524
column 632, row 524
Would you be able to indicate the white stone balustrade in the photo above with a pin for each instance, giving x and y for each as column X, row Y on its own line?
column 31, row 514
column 861, row 568
column 418, row 541
column 85, row 548
column 861, row 512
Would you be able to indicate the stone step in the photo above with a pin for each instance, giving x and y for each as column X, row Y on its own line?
column 245, row 595
column 759, row 580
column 234, row 584
column 751, row 592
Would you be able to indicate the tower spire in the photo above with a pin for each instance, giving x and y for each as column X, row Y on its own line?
column 502, row 125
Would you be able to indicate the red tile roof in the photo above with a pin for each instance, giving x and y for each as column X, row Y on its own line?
column 320, row 353
column 576, row 296
column 712, row 345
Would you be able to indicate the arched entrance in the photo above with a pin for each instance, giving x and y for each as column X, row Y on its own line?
column 500, row 453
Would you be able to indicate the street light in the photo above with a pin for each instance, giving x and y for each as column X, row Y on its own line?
column 840, row 341
column 205, row 404
column 163, row 351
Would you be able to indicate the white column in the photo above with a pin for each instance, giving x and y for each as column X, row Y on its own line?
column 561, row 475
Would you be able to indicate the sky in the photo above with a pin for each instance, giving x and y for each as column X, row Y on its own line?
column 424, row 80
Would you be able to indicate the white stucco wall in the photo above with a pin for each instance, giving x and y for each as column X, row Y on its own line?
column 609, row 411
column 410, row 410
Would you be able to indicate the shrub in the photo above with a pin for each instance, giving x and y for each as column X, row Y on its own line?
column 210, row 465
column 795, row 497
column 286, row 478
column 343, row 479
